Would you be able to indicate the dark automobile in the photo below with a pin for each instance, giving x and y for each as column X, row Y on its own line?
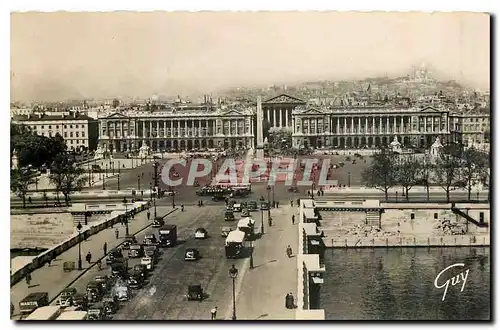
column 141, row 268
column 80, row 301
column 96, row 312
column 33, row 301
column 129, row 240
column 245, row 213
column 195, row 292
column 264, row 206
column 158, row 222
column 104, row 280
column 114, row 254
column 94, row 292
column 229, row 216
column 191, row 254
column 252, row 206
column 119, row 268
column 136, row 251
column 111, row 304
column 135, row 280
column 218, row 198
column 200, row 233
column 152, row 252
column 150, row 239
column 66, row 297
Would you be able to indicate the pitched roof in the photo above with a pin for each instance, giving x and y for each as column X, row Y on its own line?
column 284, row 98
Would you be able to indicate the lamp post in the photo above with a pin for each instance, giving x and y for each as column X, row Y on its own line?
column 118, row 187
column 262, row 221
column 79, row 228
column 126, row 220
column 268, row 201
column 233, row 273
column 138, row 182
column 150, row 191
column 90, row 174
column 154, row 204
column 251, row 253
column 273, row 195
column 104, row 177
column 349, row 179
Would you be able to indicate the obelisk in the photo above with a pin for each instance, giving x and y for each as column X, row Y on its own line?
column 260, row 130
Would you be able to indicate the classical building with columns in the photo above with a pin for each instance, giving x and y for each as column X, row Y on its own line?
column 278, row 111
column 368, row 126
column 182, row 128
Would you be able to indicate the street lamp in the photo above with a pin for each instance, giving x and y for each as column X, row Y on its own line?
column 233, row 273
column 118, row 187
column 273, row 195
column 154, row 204
column 126, row 220
column 79, row 228
column 349, row 179
column 262, row 221
column 150, row 191
column 268, row 201
column 251, row 253
column 138, row 182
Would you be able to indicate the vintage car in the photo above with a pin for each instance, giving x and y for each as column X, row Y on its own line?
column 136, row 251
column 113, row 254
column 200, row 233
column 237, row 207
column 80, row 301
column 111, row 304
column 229, row 216
column 252, row 206
column 264, row 206
column 141, row 268
column 245, row 213
column 158, row 222
column 191, row 254
column 194, row 292
column 150, row 239
column 96, row 312
column 152, row 252
column 66, row 297
column 33, row 301
column 94, row 292
column 135, row 280
column 129, row 240
column 119, row 268
column 148, row 262
column 104, row 280
column 121, row 292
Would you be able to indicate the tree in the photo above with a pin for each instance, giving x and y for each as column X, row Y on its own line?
column 408, row 170
column 426, row 174
column 381, row 173
column 66, row 176
column 280, row 136
column 20, row 181
column 472, row 166
column 447, row 172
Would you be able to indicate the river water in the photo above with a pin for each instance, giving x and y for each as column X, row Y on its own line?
column 398, row 284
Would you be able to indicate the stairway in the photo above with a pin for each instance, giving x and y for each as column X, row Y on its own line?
column 469, row 218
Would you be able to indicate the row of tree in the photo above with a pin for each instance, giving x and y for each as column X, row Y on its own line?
column 65, row 175
column 452, row 168
column 33, row 149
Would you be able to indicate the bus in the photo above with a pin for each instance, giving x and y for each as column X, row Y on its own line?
column 45, row 313
column 72, row 316
column 234, row 244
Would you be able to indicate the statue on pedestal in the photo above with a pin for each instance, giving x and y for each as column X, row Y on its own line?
column 436, row 148
column 15, row 160
column 144, row 151
column 100, row 153
column 395, row 146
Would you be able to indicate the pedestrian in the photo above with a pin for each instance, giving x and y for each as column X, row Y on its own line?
column 291, row 202
column 49, row 261
column 105, row 248
column 287, row 301
column 29, row 199
column 293, row 219
column 277, row 204
column 28, row 279
column 148, row 215
column 322, row 192
column 182, row 207
column 318, row 193
column 298, row 202
column 292, row 302
column 289, row 251
column 274, row 204
column 214, row 313
column 117, row 233
column 88, row 257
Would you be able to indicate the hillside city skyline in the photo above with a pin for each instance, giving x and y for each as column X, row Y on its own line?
column 63, row 56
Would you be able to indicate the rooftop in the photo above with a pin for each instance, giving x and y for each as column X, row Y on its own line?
column 52, row 117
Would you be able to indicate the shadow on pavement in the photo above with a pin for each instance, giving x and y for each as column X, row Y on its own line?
column 266, row 263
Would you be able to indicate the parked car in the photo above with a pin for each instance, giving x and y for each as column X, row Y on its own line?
column 191, row 254
column 195, row 292
column 200, row 233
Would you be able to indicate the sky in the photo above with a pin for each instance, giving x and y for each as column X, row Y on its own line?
column 124, row 54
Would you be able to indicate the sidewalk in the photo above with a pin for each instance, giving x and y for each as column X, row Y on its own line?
column 260, row 294
column 53, row 279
